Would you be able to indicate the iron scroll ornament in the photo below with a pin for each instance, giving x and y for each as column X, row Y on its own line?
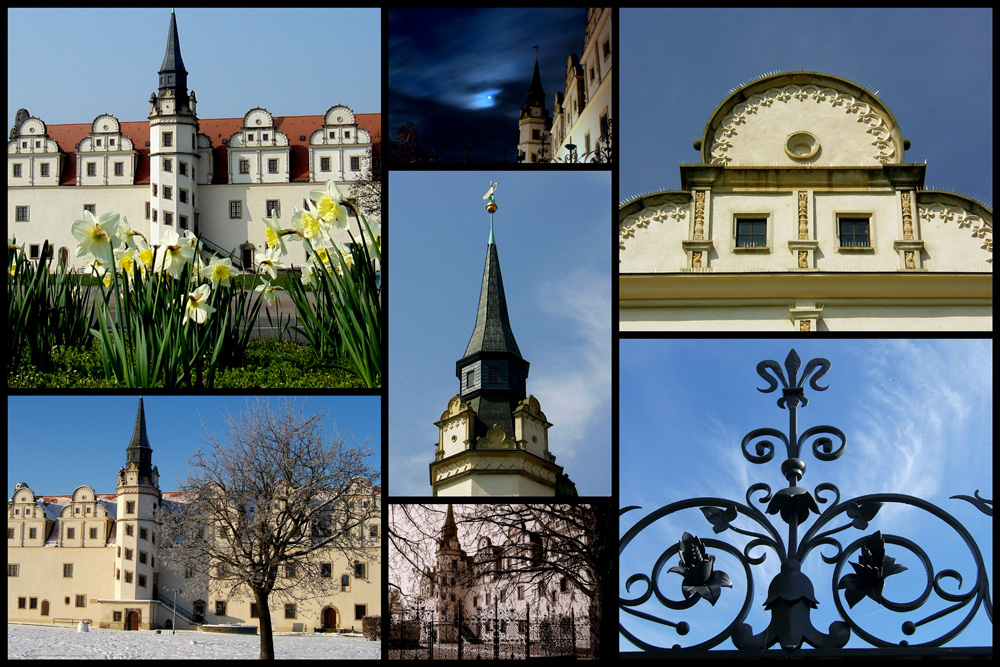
column 791, row 596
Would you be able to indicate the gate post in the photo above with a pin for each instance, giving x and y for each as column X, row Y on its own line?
column 496, row 632
column 527, row 632
column 572, row 631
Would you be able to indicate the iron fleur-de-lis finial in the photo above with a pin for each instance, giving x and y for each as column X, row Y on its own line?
column 793, row 384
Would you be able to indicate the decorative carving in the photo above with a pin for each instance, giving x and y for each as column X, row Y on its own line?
column 804, row 325
column 696, row 260
column 877, row 126
column 699, row 215
column 909, row 259
column 803, row 259
column 803, row 218
column 980, row 228
column 907, row 215
column 627, row 227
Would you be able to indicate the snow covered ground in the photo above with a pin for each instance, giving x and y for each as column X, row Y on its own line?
column 32, row 641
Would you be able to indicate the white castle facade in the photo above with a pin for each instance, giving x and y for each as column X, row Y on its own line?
column 803, row 215
column 582, row 112
column 95, row 557
column 215, row 177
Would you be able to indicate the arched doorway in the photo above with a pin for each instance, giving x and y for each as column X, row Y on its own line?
column 45, row 607
column 132, row 619
column 199, row 611
column 330, row 618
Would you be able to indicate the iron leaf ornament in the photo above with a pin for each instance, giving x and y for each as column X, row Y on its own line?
column 698, row 569
column 791, row 595
column 870, row 572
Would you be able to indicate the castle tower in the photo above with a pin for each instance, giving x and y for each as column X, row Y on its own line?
column 535, row 121
column 173, row 146
column 452, row 562
column 493, row 438
column 138, row 499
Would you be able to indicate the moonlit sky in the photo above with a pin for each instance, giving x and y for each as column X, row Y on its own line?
column 933, row 69
column 69, row 65
column 462, row 74
column 552, row 241
column 57, row 443
column 918, row 419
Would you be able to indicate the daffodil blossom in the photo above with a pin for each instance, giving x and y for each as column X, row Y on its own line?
column 174, row 254
column 96, row 236
column 268, row 291
column 306, row 222
column 197, row 308
column 269, row 261
column 273, row 234
column 219, row 269
column 329, row 205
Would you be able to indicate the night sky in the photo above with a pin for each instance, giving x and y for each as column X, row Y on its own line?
column 462, row 74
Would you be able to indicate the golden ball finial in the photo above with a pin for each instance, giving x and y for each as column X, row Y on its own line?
column 491, row 206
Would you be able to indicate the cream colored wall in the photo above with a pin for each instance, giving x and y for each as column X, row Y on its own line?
column 484, row 484
column 41, row 576
column 835, row 317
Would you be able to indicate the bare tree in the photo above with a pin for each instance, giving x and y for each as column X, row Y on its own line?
column 267, row 505
column 546, row 544
column 367, row 190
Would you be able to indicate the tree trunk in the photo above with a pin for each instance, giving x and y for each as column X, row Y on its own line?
column 264, row 613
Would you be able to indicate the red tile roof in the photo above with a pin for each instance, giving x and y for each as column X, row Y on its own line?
column 216, row 129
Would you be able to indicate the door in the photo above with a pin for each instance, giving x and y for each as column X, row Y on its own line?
column 132, row 620
column 329, row 618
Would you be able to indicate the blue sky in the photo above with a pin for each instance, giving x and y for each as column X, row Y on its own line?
column 57, row 443
column 933, row 68
column 917, row 415
column 552, row 239
column 69, row 65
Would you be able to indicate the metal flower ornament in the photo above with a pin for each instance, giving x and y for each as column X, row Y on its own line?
column 791, row 595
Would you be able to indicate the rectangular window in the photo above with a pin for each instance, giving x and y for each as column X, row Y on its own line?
column 168, row 139
column 272, row 166
column 355, row 164
column 235, row 210
column 854, row 232
column 751, row 232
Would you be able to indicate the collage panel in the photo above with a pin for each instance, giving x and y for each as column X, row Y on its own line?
column 499, row 581
column 235, row 526
column 501, row 381
column 468, row 86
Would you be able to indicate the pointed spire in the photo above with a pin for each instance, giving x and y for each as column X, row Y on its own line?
column 449, row 531
column 139, row 451
column 173, row 75
column 536, row 95
column 492, row 332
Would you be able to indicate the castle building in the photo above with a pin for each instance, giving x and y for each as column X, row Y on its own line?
column 493, row 439
column 95, row 557
column 481, row 583
column 216, row 177
column 803, row 215
column 580, row 125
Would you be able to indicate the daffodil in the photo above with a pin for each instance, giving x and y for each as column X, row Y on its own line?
column 174, row 254
column 306, row 222
column 219, row 269
column 269, row 292
column 329, row 205
column 269, row 261
column 197, row 307
column 96, row 236
column 273, row 234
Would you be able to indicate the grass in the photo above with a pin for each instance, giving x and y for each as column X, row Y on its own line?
column 268, row 364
